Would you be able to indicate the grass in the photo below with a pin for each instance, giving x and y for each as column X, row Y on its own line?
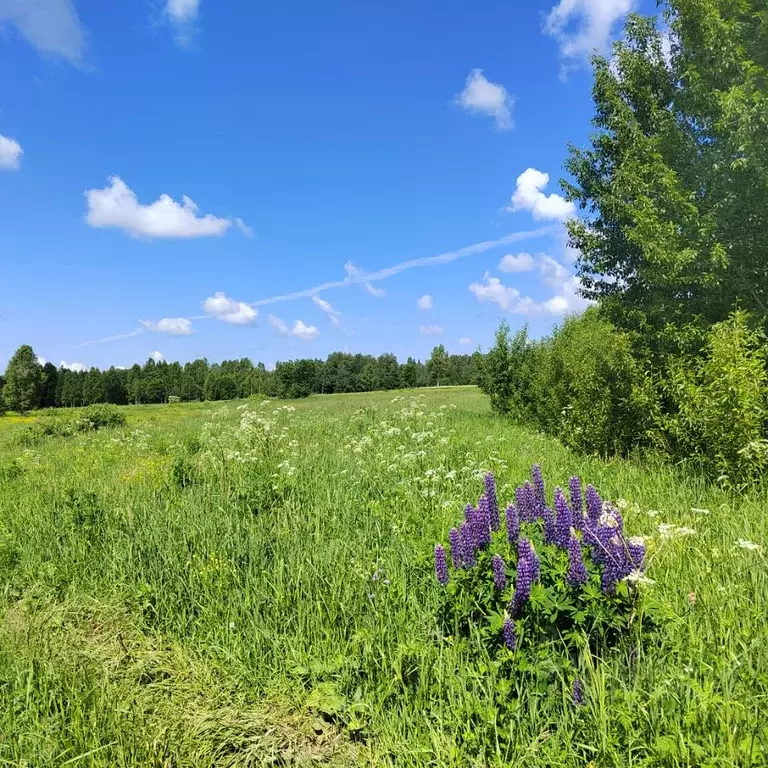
column 245, row 585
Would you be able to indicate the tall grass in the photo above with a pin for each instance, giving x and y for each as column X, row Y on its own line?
column 252, row 585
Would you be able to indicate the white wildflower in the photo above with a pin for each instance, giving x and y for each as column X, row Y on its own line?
column 638, row 577
column 750, row 545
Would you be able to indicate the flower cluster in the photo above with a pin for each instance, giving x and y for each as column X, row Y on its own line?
column 582, row 541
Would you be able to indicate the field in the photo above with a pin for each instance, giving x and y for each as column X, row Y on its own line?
column 252, row 584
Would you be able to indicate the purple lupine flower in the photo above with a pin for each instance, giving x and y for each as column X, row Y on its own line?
column 499, row 572
column 636, row 549
column 619, row 519
column 563, row 519
column 533, row 558
column 455, row 540
column 538, row 488
column 614, row 565
column 525, row 501
column 578, row 693
column 510, row 636
column 493, row 502
column 513, row 524
column 577, row 502
column 482, row 523
column 594, row 507
column 550, row 526
column 441, row 564
column 467, row 542
column 525, row 576
column 577, row 573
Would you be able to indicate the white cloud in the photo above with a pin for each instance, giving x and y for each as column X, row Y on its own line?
column 300, row 329
column 333, row 315
column 522, row 262
column 51, row 26
column 465, row 341
column 173, row 326
column 554, row 276
column 117, row 206
column 10, row 153
column 243, row 227
column 482, row 96
column 431, row 330
column 158, row 357
column 529, row 196
column 584, row 26
column 77, row 367
column 230, row 311
column 355, row 275
column 183, row 17
column 41, row 360
column 425, row 302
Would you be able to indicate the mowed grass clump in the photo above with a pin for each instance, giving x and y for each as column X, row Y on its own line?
column 254, row 584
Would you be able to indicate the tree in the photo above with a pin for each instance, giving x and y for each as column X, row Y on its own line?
column 23, row 380
column 674, row 188
column 49, row 385
column 94, row 390
column 71, row 388
column 410, row 373
column 388, row 372
column 438, row 364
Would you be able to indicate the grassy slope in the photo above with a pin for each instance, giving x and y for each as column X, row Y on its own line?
column 146, row 623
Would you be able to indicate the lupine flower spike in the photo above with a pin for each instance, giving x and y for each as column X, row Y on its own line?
column 563, row 518
column 510, row 637
column 513, row 524
column 499, row 572
column 578, row 693
column 577, row 573
column 455, row 540
column 493, row 503
column 441, row 564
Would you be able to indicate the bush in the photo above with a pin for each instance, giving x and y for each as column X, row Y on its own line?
column 98, row 416
column 575, row 572
column 718, row 404
column 173, row 399
column 585, row 386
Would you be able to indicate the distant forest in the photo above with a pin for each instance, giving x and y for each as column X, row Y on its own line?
column 28, row 385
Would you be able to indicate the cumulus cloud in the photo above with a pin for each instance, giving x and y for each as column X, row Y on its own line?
column 10, row 153
column 77, row 367
column 325, row 306
column 117, row 206
column 229, row 310
column 486, row 98
column 158, row 357
column 41, row 360
column 243, row 227
column 431, row 330
column 522, row 262
column 183, row 16
column 560, row 281
column 300, row 329
column 529, row 196
column 584, row 26
column 51, row 26
column 425, row 302
column 465, row 341
column 173, row 326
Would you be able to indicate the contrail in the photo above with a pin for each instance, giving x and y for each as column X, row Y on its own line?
column 359, row 278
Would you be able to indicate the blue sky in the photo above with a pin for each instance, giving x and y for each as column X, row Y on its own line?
column 337, row 144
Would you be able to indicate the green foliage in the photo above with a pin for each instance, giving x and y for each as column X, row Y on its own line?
column 23, row 380
column 437, row 365
column 502, row 373
column 719, row 405
column 99, row 416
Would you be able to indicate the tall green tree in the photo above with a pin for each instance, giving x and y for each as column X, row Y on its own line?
column 437, row 366
column 49, row 384
column 673, row 191
column 23, row 380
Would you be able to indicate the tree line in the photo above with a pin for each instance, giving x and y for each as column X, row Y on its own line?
column 28, row 385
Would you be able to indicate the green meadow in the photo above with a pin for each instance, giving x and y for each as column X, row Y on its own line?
column 252, row 584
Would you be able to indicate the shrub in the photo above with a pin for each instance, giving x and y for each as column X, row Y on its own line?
column 548, row 573
column 173, row 399
column 98, row 416
column 718, row 404
column 584, row 385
